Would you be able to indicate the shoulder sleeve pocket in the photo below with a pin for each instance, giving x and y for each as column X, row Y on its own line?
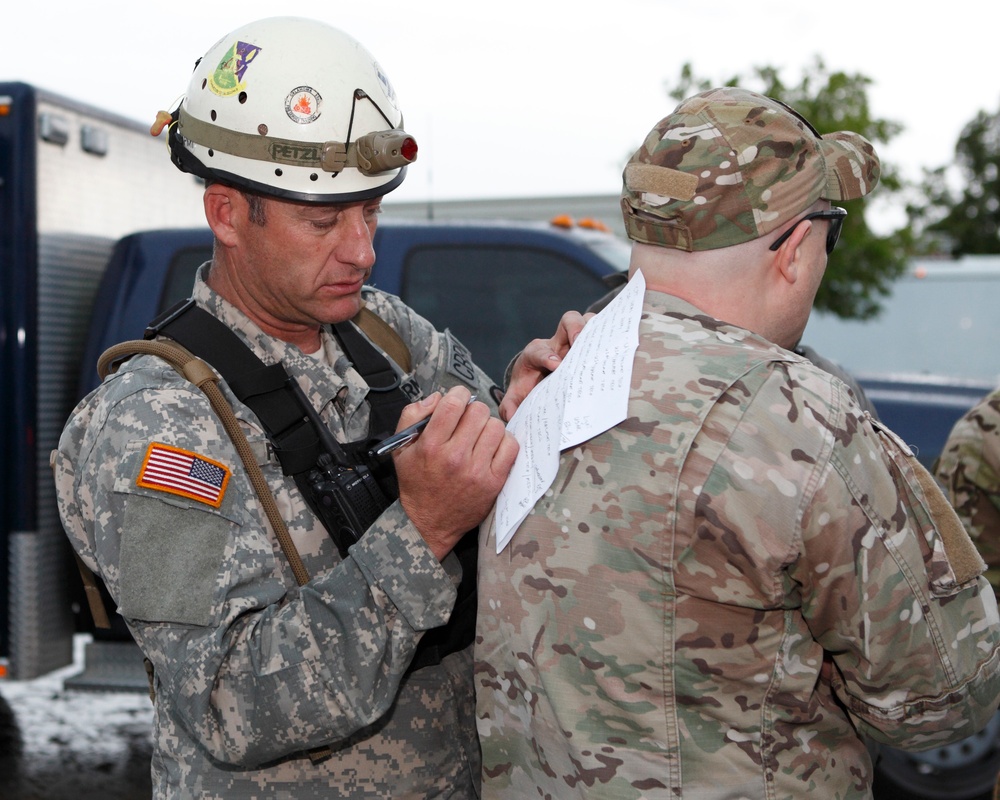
column 953, row 558
column 171, row 562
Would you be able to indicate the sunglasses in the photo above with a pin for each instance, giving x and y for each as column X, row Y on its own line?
column 836, row 218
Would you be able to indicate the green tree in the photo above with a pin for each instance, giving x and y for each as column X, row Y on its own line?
column 864, row 265
column 966, row 221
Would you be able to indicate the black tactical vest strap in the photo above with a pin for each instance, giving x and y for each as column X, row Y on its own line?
column 385, row 397
column 269, row 392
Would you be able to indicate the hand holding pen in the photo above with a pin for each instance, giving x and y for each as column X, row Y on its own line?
column 449, row 479
column 405, row 436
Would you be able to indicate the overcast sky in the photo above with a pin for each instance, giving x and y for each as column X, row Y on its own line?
column 540, row 97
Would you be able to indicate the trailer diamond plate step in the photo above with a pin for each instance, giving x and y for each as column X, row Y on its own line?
column 111, row 667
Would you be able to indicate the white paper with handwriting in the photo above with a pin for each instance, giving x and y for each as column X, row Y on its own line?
column 587, row 394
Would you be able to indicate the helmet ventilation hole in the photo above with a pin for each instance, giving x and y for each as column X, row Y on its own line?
column 214, row 115
column 262, row 129
column 278, row 172
column 242, row 97
column 314, row 177
column 211, row 153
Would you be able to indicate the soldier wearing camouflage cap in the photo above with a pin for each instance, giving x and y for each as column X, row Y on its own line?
column 969, row 470
column 273, row 681
column 718, row 597
column 714, row 174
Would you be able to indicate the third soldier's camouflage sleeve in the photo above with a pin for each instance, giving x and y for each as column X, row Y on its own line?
column 969, row 471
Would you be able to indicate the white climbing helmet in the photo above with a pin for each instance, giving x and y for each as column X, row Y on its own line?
column 292, row 108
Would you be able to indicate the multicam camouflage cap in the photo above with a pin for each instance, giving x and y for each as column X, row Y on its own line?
column 729, row 166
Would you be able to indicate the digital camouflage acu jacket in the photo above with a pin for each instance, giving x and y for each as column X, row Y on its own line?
column 252, row 671
column 720, row 595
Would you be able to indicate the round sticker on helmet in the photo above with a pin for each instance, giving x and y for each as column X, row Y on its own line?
column 302, row 104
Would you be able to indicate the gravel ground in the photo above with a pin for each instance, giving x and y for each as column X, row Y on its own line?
column 71, row 745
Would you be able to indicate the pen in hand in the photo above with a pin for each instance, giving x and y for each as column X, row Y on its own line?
column 405, row 436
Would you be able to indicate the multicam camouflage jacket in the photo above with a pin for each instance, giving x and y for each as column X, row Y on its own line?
column 969, row 470
column 719, row 596
column 252, row 671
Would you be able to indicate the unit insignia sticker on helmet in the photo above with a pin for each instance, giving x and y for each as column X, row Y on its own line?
column 302, row 104
column 228, row 76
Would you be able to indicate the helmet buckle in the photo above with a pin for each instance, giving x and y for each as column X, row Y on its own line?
column 334, row 156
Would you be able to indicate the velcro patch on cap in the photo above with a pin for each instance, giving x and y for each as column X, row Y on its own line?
column 663, row 181
column 182, row 472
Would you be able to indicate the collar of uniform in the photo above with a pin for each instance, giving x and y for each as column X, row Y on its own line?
column 671, row 305
column 320, row 383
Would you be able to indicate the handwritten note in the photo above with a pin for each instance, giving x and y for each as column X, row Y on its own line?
column 586, row 395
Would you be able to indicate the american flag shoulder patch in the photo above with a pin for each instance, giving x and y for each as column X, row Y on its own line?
column 182, row 472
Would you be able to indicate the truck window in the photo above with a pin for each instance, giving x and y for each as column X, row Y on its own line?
column 496, row 299
column 180, row 274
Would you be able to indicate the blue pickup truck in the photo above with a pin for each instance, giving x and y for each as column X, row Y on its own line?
column 496, row 285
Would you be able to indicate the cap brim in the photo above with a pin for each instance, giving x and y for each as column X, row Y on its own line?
column 852, row 167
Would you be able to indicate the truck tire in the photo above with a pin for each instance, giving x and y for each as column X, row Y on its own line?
column 965, row 770
column 11, row 747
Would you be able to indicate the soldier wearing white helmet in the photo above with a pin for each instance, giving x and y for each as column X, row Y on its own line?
column 293, row 109
column 334, row 661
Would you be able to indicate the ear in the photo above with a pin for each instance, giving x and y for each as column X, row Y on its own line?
column 219, row 205
column 788, row 257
